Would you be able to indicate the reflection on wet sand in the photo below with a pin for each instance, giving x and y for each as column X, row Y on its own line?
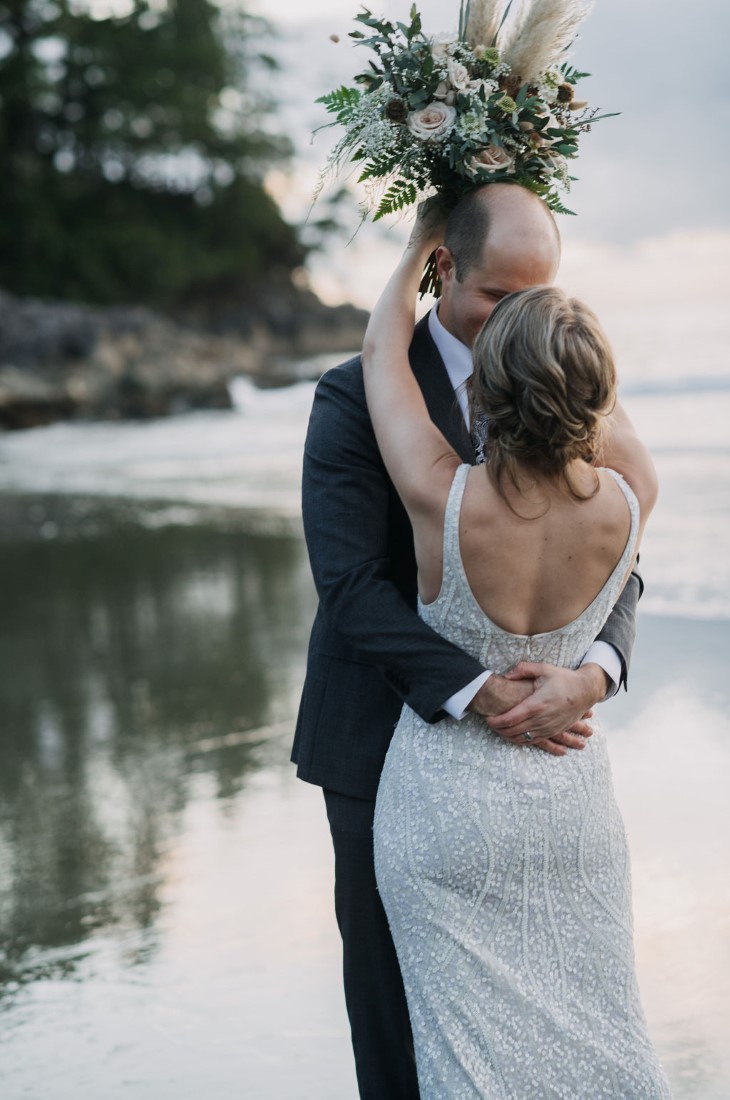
column 130, row 662
column 166, row 919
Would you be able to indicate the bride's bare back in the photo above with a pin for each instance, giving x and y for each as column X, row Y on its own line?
column 544, row 377
column 529, row 575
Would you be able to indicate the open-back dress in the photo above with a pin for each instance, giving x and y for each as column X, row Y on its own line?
column 504, row 872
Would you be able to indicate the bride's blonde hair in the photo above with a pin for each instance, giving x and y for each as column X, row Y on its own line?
column 544, row 375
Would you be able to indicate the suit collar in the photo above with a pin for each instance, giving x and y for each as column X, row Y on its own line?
column 438, row 393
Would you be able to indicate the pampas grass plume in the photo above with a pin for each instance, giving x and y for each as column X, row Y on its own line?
column 484, row 19
column 538, row 37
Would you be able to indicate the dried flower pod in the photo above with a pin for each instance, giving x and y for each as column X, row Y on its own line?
column 490, row 54
column 566, row 93
column 579, row 104
column 396, row 109
column 506, row 104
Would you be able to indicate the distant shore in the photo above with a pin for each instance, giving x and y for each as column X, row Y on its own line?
column 67, row 361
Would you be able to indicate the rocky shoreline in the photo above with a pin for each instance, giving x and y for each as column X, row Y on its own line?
column 61, row 360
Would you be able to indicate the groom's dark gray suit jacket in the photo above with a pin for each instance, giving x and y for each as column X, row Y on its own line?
column 369, row 652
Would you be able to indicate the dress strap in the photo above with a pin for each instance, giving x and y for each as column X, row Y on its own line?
column 615, row 581
column 451, row 515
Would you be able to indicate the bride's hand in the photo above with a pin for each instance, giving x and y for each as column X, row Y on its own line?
column 500, row 694
column 560, row 699
column 428, row 229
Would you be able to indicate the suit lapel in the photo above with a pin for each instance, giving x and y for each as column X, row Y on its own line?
column 438, row 393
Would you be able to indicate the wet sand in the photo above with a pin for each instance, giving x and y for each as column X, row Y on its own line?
column 192, row 949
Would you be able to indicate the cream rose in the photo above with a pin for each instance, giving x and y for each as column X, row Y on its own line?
column 440, row 44
column 432, row 123
column 458, row 75
column 492, row 159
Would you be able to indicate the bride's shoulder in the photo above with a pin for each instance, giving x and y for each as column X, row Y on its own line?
column 618, row 485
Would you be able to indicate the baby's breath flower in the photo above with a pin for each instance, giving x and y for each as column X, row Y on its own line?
column 560, row 169
column 488, row 86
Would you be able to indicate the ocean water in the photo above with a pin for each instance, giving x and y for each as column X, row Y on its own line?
column 248, row 460
column 166, row 923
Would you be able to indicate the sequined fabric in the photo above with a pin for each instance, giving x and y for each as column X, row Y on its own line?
column 505, row 876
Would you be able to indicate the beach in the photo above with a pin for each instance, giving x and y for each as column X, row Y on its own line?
column 167, row 924
column 166, row 911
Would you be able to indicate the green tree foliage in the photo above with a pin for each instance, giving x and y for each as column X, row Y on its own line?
column 131, row 151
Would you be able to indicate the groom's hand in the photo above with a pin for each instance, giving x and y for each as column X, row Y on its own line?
column 560, row 701
column 502, row 694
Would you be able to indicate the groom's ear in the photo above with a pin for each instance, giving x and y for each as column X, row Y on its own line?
column 445, row 264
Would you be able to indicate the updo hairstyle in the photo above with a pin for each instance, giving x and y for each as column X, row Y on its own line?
column 544, row 376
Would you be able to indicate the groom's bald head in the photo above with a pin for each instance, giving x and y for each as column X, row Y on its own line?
column 503, row 209
column 499, row 239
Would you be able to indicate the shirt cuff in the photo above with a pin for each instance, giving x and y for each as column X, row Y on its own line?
column 457, row 705
column 604, row 654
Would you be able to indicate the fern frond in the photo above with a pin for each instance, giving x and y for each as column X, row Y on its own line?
column 399, row 195
column 383, row 165
column 340, row 102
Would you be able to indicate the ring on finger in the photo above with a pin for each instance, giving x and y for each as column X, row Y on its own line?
column 528, row 736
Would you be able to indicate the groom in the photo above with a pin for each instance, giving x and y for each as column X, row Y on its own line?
column 369, row 652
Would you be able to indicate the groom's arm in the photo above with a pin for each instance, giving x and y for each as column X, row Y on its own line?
column 346, row 498
column 620, row 629
column 562, row 695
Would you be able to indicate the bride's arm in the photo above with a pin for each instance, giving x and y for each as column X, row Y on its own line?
column 413, row 449
column 623, row 451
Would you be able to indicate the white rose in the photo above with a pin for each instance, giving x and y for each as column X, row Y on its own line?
column 492, row 159
column 432, row 123
column 458, row 75
column 440, row 44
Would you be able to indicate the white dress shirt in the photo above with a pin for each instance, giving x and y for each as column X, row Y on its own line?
column 458, row 363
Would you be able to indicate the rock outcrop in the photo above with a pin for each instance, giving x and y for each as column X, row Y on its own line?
column 60, row 360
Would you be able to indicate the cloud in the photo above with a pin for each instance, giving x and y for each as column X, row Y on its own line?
column 679, row 269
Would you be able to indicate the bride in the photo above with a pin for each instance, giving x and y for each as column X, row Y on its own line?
column 503, row 870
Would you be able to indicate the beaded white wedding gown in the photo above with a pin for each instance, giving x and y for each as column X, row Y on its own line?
column 504, row 873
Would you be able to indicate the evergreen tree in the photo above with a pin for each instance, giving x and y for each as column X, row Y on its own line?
column 132, row 151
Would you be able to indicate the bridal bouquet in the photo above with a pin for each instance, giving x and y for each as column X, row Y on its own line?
column 444, row 114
